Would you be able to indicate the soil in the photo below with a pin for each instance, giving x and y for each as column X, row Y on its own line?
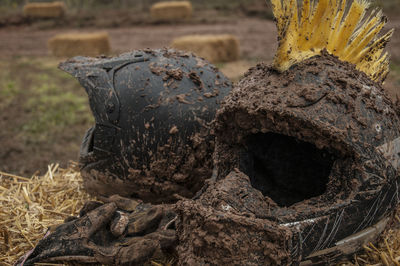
column 257, row 37
column 25, row 155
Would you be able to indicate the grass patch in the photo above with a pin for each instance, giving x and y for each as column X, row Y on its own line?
column 44, row 113
column 52, row 112
column 7, row 93
column 48, row 101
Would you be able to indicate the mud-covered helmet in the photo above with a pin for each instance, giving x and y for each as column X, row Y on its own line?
column 312, row 178
column 153, row 110
column 307, row 150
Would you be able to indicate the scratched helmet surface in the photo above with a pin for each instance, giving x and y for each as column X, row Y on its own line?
column 153, row 110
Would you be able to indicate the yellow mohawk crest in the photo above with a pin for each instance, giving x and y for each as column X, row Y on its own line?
column 339, row 27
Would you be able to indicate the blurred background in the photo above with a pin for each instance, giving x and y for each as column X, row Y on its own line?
column 44, row 112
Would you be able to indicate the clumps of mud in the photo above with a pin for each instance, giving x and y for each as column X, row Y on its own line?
column 298, row 169
column 172, row 174
column 228, row 225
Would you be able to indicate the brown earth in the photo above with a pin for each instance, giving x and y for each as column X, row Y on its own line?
column 24, row 111
column 257, row 39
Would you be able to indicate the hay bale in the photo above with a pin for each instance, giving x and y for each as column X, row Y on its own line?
column 44, row 10
column 171, row 11
column 85, row 44
column 214, row 48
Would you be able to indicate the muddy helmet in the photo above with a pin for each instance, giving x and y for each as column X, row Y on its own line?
column 307, row 149
column 153, row 110
column 299, row 179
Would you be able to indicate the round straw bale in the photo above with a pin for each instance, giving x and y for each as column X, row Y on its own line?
column 44, row 10
column 214, row 48
column 171, row 11
column 84, row 44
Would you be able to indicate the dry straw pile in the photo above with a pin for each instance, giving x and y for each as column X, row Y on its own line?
column 171, row 11
column 84, row 44
column 214, row 48
column 44, row 10
column 29, row 206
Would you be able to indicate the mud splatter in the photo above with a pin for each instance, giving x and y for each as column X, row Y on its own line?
column 196, row 79
column 182, row 99
column 156, row 141
column 173, row 130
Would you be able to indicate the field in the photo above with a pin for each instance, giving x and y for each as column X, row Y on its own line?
column 44, row 112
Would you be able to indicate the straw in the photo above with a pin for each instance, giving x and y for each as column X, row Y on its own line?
column 387, row 251
column 28, row 207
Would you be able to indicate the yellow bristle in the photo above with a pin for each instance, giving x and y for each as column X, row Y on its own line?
column 335, row 25
column 364, row 36
column 305, row 13
column 355, row 15
column 279, row 15
column 335, row 30
column 321, row 24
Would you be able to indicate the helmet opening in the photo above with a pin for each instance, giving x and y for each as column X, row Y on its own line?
column 284, row 168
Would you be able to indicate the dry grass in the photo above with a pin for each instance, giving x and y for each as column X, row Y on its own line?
column 29, row 206
column 44, row 10
column 171, row 11
column 214, row 48
column 84, row 44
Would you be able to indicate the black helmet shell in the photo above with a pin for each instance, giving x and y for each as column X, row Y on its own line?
column 152, row 109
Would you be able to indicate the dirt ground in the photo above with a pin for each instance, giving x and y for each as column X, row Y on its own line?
column 257, row 37
column 258, row 43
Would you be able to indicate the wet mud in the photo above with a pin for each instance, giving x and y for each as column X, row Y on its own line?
column 226, row 226
column 303, row 159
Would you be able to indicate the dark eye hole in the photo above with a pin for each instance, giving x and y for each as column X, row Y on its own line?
column 285, row 169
